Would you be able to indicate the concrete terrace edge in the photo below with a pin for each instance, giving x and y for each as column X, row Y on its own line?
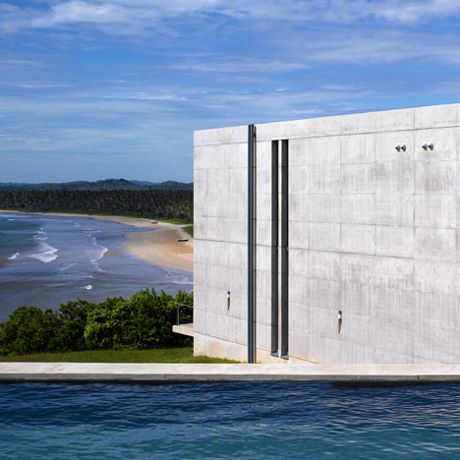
column 207, row 373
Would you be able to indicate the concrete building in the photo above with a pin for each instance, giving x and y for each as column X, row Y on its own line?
column 331, row 240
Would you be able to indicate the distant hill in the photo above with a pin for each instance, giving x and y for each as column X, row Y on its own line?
column 101, row 185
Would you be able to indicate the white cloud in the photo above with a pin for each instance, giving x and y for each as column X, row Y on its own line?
column 342, row 10
column 141, row 15
column 76, row 11
column 39, row 85
column 413, row 11
column 145, row 96
column 233, row 64
column 368, row 46
column 14, row 63
column 305, row 50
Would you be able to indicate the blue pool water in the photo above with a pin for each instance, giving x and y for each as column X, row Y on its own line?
column 229, row 421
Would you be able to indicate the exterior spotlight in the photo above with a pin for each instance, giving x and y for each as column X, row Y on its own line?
column 427, row 147
column 228, row 300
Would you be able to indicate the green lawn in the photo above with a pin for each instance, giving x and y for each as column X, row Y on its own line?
column 188, row 229
column 170, row 355
column 171, row 221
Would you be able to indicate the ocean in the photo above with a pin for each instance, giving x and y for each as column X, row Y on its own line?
column 47, row 260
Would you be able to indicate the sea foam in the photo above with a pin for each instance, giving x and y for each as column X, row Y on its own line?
column 40, row 238
column 176, row 278
column 41, row 235
column 14, row 256
column 67, row 267
column 46, row 253
column 98, row 254
column 101, row 253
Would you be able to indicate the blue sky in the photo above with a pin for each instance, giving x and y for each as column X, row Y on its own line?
column 92, row 89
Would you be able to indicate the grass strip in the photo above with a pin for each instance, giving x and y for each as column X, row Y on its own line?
column 168, row 355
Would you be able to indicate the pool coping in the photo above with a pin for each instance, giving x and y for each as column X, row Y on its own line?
column 207, row 373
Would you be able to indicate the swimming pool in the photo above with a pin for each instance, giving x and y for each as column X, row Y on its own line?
column 265, row 420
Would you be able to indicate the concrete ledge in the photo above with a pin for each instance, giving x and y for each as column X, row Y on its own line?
column 184, row 329
column 168, row 373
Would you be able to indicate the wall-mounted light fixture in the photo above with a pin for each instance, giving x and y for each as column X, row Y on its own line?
column 228, row 300
column 401, row 147
column 427, row 147
column 339, row 320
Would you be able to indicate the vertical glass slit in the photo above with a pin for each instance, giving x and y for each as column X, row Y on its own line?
column 284, row 244
column 274, row 249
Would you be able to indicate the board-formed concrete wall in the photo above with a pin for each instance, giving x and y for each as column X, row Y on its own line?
column 372, row 233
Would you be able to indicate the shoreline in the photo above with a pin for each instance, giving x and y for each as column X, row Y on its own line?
column 159, row 246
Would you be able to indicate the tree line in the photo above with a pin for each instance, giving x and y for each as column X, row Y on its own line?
column 144, row 321
column 150, row 203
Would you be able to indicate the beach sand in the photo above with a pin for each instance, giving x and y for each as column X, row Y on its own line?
column 159, row 246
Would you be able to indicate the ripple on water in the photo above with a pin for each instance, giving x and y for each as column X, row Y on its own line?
column 235, row 420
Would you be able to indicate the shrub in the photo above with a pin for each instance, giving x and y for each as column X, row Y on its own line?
column 71, row 322
column 100, row 328
column 3, row 344
column 28, row 330
column 143, row 321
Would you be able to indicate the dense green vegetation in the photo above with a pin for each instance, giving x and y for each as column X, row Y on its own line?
column 151, row 203
column 144, row 321
column 169, row 355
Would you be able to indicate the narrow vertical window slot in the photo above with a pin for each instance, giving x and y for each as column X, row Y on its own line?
column 274, row 249
column 251, row 244
column 284, row 244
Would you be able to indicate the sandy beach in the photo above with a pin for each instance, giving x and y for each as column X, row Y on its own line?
column 160, row 246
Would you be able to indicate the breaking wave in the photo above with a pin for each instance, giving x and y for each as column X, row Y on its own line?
column 98, row 254
column 185, row 282
column 40, row 235
column 40, row 238
column 45, row 254
column 101, row 253
column 176, row 278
